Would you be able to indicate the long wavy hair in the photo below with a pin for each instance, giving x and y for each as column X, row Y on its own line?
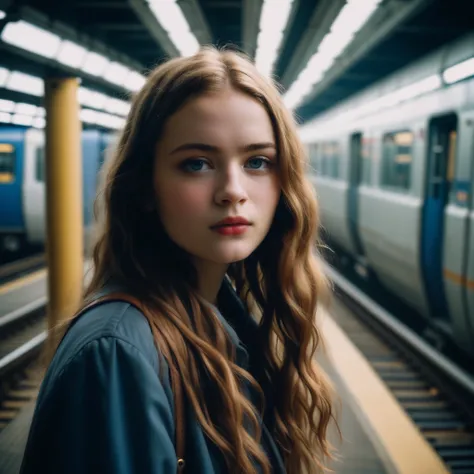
column 281, row 281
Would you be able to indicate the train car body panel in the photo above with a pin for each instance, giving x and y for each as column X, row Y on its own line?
column 34, row 197
column 454, row 272
column 11, row 172
column 333, row 199
column 469, row 280
column 455, row 261
column 390, row 227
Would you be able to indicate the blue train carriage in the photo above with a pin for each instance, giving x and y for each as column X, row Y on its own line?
column 393, row 170
column 22, row 186
column 12, row 219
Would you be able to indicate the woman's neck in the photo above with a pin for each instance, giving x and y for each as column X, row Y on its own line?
column 210, row 277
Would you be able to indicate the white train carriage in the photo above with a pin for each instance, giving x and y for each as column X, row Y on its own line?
column 397, row 193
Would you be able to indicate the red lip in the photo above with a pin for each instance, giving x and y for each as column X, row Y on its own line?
column 231, row 221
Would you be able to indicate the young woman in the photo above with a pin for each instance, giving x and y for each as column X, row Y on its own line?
column 208, row 217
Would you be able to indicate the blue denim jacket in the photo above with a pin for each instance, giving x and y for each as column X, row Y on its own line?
column 103, row 408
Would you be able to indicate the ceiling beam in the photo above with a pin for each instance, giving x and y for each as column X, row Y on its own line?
column 124, row 27
column 157, row 32
column 320, row 23
column 196, row 20
column 220, row 4
column 250, row 20
column 106, row 5
column 383, row 23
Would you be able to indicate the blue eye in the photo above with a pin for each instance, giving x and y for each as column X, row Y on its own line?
column 258, row 163
column 193, row 166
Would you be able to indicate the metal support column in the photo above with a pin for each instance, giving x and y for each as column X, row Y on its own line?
column 64, row 213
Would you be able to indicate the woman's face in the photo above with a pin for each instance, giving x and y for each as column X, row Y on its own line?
column 217, row 159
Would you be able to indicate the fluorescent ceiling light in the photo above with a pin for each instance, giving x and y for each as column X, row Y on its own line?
column 91, row 98
column 32, row 85
column 31, row 38
column 21, row 82
column 7, row 105
column 88, row 116
column 134, row 81
column 116, row 73
column 3, row 76
column 30, row 115
column 352, row 17
column 101, row 118
column 273, row 21
column 117, row 106
column 2, row 14
column 109, row 121
column 94, row 64
column 44, row 43
column 170, row 16
column 26, row 109
column 19, row 119
column 96, row 100
column 5, row 117
column 39, row 122
column 71, row 54
column 459, row 71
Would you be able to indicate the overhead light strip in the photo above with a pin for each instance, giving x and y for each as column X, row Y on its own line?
column 273, row 22
column 34, row 39
column 391, row 99
column 170, row 16
column 352, row 17
column 23, row 114
column 32, row 85
column 451, row 75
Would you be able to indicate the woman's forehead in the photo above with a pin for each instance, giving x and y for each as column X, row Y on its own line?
column 220, row 119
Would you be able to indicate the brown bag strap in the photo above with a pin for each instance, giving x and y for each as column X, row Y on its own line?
column 179, row 415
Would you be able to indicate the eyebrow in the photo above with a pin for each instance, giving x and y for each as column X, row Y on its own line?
column 215, row 149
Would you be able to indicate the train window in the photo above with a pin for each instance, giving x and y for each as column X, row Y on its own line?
column 40, row 165
column 397, row 159
column 330, row 159
column 313, row 157
column 7, row 163
column 366, row 162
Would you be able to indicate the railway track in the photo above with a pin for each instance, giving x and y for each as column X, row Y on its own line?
column 19, row 268
column 22, row 335
column 434, row 392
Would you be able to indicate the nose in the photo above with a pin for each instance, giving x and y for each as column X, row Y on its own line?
column 231, row 187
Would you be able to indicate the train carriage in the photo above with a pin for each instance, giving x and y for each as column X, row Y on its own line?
column 22, row 183
column 396, row 192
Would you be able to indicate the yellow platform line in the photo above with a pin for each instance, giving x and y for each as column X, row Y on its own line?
column 23, row 281
column 397, row 440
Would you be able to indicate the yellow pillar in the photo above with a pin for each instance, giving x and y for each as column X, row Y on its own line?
column 64, row 242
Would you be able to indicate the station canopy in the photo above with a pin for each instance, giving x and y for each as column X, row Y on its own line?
column 320, row 51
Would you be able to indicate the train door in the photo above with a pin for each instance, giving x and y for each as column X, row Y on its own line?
column 440, row 163
column 355, row 177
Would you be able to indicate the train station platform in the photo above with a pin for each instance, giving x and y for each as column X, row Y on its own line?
column 377, row 435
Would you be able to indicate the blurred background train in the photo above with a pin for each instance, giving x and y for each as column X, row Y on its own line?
column 393, row 167
column 22, row 184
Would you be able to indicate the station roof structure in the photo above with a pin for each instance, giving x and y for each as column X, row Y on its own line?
column 321, row 51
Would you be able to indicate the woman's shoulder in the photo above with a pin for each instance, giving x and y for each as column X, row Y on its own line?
column 112, row 321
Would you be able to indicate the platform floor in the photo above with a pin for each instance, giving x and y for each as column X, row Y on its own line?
column 354, row 451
